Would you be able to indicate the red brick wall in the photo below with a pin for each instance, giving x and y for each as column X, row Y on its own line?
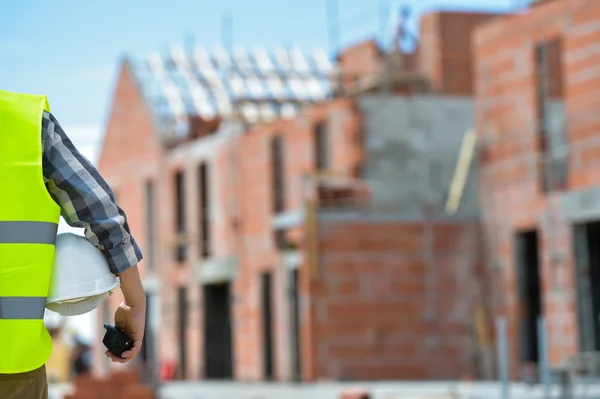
column 445, row 55
column 218, row 153
column 368, row 303
column 116, row 385
column 258, row 251
column 583, row 85
column 506, row 124
column 362, row 59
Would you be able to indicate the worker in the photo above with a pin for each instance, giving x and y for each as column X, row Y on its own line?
column 44, row 176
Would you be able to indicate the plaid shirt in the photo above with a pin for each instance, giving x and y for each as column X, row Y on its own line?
column 85, row 199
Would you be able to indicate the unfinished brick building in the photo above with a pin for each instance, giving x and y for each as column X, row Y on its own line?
column 293, row 220
column 382, row 289
column 537, row 83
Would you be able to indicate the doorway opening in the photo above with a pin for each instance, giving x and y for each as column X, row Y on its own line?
column 587, row 259
column 218, row 345
column 267, row 324
column 294, row 304
column 182, row 315
column 529, row 295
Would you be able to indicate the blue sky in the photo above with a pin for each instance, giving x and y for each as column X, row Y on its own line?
column 70, row 50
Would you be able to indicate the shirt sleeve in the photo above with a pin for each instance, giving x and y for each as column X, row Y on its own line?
column 85, row 199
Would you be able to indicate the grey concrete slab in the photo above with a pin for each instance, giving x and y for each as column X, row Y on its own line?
column 392, row 390
column 582, row 205
column 412, row 145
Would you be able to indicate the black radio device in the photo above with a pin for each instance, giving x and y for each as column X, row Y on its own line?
column 116, row 341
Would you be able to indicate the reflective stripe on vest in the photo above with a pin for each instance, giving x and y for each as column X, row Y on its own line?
column 29, row 219
column 25, row 308
column 28, row 233
column 22, row 307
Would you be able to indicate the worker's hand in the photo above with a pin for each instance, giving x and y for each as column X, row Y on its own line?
column 132, row 320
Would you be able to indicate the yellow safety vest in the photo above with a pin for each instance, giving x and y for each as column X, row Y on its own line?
column 28, row 226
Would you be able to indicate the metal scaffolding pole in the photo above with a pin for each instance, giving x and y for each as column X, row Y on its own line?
column 543, row 351
column 428, row 244
column 384, row 10
column 333, row 26
column 502, row 353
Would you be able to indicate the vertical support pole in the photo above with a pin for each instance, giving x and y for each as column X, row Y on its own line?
column 227, row 31
column 384, row 15
column 543, row 352
column 105, row 319
column 311, row 209
column 333, row 30
column 152, row 332
column 428, row 235
column 333, row 25
column 384, row 22
column 502, row 352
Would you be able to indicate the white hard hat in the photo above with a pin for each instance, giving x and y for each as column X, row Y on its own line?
column 81, row 278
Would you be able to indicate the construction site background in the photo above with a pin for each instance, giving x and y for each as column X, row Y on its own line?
column 430, row 216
